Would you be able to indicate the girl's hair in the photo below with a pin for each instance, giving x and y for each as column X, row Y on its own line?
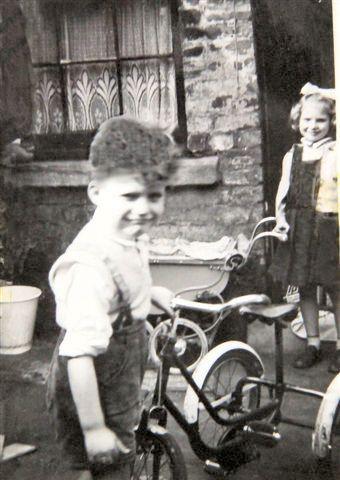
column 125, row 144
column 328, row 104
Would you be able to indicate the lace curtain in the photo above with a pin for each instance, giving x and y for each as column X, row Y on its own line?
column 100, row 59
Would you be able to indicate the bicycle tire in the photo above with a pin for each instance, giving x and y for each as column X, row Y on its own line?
column 194, row 343
column 217, row 375
column 158, row 456
column 149, row 328
column 326, row 435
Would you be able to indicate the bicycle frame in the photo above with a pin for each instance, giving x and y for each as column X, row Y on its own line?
column 279, row 386
column 270, row 412
column 162, row 403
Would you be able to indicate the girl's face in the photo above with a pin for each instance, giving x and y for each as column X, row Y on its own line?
column 314, row 122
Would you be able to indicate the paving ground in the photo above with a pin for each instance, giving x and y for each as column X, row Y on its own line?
column 22, row 380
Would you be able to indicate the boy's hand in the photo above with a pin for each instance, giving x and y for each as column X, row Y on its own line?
column 161, row 297
column 103, row 446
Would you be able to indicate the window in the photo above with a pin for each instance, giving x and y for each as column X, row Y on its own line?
column 100, row 58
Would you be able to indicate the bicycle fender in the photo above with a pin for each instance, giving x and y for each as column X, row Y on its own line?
column 191, row 400
column 323, row 425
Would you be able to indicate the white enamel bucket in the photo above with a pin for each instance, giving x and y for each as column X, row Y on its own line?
column 18, row 308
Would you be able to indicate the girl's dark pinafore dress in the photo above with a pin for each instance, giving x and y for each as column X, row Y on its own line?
column 119, row 373
column 310, row 256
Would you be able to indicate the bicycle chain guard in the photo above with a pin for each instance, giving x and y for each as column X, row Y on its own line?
column 238, row 451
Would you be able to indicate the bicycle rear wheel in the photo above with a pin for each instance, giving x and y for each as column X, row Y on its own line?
column 225, row 365
column 158, row 457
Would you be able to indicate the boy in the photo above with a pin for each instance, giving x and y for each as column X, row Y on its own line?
column 103, row 293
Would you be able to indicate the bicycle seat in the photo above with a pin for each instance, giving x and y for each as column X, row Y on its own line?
column 286, row 311
column 232, row 304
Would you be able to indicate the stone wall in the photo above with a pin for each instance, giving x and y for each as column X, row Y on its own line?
column 222, row 108
column 42, row 222
column 220, row 78
column 45, row 220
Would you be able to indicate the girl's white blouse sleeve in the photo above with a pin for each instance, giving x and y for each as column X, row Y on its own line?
column 283, row 188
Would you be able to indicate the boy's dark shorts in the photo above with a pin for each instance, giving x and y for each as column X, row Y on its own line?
column 120, row 373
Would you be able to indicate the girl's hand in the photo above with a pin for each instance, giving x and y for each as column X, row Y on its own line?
column 161, row 297
column 103, row 446
column 281, row 227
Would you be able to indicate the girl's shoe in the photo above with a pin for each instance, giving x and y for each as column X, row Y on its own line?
column 308, row 358
column 334, row 366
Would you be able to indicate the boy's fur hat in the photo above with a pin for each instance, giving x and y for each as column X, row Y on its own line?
column 124, row 143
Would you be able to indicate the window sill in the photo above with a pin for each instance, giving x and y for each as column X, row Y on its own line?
column 76, row 173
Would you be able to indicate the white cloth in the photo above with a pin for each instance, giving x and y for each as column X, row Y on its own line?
column 327, row 327
column 323, row 150
column 86, row 294
column 310, row 89
column 220, row 249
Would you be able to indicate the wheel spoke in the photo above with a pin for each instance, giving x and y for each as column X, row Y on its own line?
column 191, row 342
column 232, row 374
column 141, row 465
column 219, row 387
column 158, row 458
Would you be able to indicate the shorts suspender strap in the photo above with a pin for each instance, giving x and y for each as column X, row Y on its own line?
column 124, row 317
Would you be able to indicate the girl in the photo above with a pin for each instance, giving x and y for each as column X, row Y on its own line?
column 307, row 209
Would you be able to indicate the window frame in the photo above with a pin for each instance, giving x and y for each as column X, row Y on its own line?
column 47, row 144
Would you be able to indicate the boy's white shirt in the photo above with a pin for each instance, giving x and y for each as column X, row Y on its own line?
column 84, row 290
column 322, row 150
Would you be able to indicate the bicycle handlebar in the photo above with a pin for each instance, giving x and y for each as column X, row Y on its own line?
column 237, row 302
column 260, row 223
column 238, row 259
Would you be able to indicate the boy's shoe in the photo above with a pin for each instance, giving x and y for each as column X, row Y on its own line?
column 334, row 366
column 308, row 358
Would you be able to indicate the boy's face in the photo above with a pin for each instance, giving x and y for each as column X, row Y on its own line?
column 314, row 121
column 127, row 204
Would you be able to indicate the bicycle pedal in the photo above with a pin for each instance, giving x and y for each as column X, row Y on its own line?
column 262, row 433
column 215, row 469
column 237, row 451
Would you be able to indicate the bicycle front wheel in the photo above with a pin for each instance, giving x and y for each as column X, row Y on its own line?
column 158, row 457
column 217, row 375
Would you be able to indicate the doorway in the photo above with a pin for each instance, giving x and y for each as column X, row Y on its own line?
column 294, row 45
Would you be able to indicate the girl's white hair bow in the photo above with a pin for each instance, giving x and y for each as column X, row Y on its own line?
column 309, row 89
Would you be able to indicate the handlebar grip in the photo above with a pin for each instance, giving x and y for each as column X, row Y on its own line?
column 282, row 236
column 235, row 260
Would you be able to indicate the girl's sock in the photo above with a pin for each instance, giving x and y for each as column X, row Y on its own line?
column 314, row 342
column 337, row 346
